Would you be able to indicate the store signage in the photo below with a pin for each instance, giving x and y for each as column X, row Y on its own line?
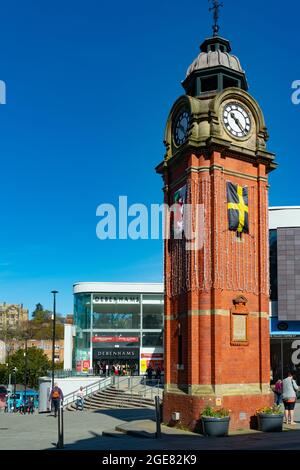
column 282, row 326
column 151, row 355
column 116, row 299
column 120, row 353
column 115, row 339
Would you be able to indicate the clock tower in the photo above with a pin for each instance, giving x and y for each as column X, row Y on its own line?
column 217, row 292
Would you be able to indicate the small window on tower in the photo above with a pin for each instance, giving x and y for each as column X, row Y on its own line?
column 230, row 82
column 209, row 83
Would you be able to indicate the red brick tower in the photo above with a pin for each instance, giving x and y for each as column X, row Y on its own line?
column 217, row 295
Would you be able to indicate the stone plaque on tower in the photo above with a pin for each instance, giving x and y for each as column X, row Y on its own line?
column 217, row 294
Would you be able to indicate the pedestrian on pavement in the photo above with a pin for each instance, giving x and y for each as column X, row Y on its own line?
column 80, row 399
column 56, row 396
column 158, row 373
column 278, row 391
column 149, row 372
column 289, row 396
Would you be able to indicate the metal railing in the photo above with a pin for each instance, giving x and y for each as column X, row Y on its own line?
column 101, row 384
column 134, row 385
column 63, row 374
column 138, row 386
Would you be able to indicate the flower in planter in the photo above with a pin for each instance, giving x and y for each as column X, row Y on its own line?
column 270, row 410
column 210, row 412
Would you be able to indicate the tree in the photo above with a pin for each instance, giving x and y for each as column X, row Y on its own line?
column 37, row 365
column 40, row 315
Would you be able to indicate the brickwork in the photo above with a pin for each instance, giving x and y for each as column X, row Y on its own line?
column 200, row 309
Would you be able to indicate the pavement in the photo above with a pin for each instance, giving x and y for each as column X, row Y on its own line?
column 129, row 429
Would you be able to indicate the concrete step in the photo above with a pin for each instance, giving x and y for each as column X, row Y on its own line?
column 118, row 400
column 113, row 433
column 111, row 398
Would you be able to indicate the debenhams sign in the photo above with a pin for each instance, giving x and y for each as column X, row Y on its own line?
column 116, row 299
column 132, row 353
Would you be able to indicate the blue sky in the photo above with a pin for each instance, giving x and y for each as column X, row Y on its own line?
column 89, row 88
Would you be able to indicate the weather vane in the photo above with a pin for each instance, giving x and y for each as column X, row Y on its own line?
column 215, row 8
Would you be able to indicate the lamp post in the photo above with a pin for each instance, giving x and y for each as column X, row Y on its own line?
column 54, row 292
column 15, row 386
column 25, row 368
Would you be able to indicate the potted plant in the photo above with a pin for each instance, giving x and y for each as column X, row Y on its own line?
column 215, row 421
column 270, row 418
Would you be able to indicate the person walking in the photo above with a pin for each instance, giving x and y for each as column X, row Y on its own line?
column 80, row 399
column 289, row 396
column 149, row 372
column 158, row 374
column 278, row 391
column 56, row 396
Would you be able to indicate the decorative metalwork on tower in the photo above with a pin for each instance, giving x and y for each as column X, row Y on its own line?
column 216, row 9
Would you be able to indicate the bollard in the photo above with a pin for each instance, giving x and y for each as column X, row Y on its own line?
column 60, row 424
column 157, row 417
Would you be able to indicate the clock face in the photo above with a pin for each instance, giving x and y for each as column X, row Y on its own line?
column 181, row 128
column 237, row 120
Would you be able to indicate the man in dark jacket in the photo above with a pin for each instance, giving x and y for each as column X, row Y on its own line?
column 56, row 395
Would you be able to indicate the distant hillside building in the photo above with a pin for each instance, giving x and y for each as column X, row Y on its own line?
column 12, row 315
column 44, row 344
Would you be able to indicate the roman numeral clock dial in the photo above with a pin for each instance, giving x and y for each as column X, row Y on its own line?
column 181, row 128
column 236, row 120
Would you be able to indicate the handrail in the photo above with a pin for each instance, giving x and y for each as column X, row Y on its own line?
column 62, row 374
column 100, row 384
column 151, row 386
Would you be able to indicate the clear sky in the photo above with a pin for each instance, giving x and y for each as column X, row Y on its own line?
column 89, row 88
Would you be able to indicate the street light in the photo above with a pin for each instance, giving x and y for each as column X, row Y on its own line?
column 15, row 386
column 54, row 292
column 25, row 368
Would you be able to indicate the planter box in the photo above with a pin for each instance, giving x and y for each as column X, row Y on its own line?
column 215, row 426
column 270, row 422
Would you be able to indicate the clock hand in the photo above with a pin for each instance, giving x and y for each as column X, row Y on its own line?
column 237, row 121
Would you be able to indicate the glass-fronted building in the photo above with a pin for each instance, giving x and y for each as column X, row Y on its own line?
column 284, row 224
column 118, row 324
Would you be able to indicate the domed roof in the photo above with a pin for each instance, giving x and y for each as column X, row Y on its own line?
column 214, row 59
column 215, row 52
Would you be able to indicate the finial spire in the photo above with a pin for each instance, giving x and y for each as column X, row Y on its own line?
column 215, row 8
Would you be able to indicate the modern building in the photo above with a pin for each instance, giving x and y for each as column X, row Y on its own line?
column 12, row 316
column 118, row 323
column 284, row 225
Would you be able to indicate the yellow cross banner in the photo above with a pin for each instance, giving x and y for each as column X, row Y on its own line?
column 237, row 205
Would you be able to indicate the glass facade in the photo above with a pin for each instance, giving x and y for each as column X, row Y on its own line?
column 82, row 320
column 118, row 328
column 285, row 356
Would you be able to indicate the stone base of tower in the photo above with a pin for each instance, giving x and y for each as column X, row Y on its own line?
column 243, row 408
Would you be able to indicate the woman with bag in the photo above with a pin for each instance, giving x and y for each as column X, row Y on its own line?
column 278, row 391
column 289, row 397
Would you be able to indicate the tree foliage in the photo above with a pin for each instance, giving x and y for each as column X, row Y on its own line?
column 37, row 365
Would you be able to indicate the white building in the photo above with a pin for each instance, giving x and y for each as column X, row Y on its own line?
column 118, row 323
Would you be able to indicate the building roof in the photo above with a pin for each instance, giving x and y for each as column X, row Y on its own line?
column 284, row 216
column 118, row 287
column 214, row 58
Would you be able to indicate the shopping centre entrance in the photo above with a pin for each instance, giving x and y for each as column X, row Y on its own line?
column 118, row 361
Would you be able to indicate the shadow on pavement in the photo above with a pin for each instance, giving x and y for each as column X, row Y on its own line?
column 128, row 414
